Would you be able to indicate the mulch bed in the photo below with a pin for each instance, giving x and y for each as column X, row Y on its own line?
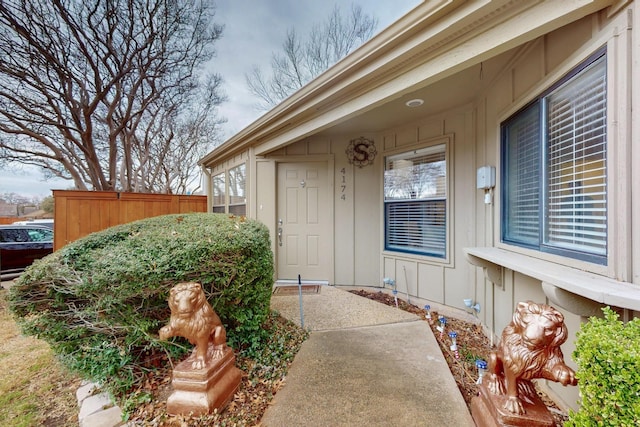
column 472, row 344
column 260, row 384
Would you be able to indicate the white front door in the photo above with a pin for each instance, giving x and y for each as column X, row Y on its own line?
column 303, row 228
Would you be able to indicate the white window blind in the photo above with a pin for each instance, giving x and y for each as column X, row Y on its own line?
column 555, row 168
column 417, row 227
column 415, row 191
column 523, row 177
column 576, row 208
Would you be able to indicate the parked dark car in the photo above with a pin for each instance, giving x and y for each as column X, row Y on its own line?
column 47, row 222
column 20, row 245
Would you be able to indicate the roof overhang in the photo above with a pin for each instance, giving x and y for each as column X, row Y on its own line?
column 435, row 40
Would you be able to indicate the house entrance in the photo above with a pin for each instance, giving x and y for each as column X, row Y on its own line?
column 303, row 245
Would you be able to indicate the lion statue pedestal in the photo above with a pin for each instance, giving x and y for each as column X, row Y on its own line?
column 488, row 410
column 529, row 348
column 201, row 391
column 208, row 378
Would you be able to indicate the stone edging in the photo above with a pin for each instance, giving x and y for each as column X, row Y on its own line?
column 96, row 408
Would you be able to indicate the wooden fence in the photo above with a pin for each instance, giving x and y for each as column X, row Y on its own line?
column 78, row 213
column 4, row 220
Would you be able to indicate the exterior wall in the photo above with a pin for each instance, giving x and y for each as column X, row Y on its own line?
column 357, row 200
column 443, row 281
column 538, row 65
column 262, row 194
column 358, row 256
column 11, row 219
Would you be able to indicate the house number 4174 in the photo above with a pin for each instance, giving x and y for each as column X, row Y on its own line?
column 343, row 184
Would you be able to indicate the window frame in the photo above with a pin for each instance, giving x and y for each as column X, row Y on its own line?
column 219, row 207
column 540, row 102
column 237, row 208
column 228, row 204
column 441, row 256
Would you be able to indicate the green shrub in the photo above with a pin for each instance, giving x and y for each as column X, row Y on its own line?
column 100, row 301
column 608, row 357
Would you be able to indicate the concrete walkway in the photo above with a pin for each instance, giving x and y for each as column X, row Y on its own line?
column 365, row 363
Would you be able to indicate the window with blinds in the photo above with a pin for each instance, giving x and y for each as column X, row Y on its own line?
column 555, row 168
column 415, row 197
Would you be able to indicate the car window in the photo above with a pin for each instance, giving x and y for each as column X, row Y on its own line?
column 14, row 235
column 40, row 235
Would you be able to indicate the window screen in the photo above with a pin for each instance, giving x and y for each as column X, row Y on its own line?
column 237, row 198
column 555, row 168
column 523, row 176
column 219, row 193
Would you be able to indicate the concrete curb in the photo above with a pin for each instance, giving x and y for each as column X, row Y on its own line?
column 96, row 408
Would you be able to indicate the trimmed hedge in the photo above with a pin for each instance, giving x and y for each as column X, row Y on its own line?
column 100, row 301
column 608, row 357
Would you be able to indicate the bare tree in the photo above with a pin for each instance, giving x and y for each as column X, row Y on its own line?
column 109, row 93
column 173, row 142
column 302, row 60
column 15, row 198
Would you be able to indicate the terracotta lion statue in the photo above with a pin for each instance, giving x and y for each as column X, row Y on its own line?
column 193, row 318
column 529, row 348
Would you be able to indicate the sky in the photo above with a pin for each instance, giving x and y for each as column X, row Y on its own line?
column 254, row 30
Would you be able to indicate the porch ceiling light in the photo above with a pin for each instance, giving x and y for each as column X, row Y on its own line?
column 412, row 103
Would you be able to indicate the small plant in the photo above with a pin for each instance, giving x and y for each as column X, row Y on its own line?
column 270, row 360
column 469, row 356
column 608, row 357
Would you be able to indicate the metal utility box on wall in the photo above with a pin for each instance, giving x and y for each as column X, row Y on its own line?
column 486, row 177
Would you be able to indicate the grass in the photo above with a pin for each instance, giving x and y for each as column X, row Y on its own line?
column 34, row 389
